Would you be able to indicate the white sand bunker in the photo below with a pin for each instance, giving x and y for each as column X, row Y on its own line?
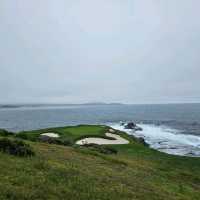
column 101, row 141
column 52, row 135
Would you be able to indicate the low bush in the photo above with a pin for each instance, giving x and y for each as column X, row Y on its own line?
column 67, row 142
column 50, row 140
column 15, row 147
column 101, row 148
column 25, row 136
column 5, row 133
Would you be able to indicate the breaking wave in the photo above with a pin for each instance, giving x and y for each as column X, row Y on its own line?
column 166, row 140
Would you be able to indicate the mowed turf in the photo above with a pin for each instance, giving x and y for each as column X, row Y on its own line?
column 71, row 133
column 73, row 173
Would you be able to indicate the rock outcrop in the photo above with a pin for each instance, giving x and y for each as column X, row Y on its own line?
column 142, row 141
column 132, row 126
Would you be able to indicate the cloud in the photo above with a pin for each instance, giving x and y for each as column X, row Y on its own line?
column 141, row 51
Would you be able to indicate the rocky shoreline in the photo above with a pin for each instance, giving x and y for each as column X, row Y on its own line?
column 162, row 138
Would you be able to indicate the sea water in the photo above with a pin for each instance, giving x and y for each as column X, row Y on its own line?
column 166, row 139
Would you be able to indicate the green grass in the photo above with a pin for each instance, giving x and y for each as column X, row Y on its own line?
column 70, row 133
column 136, row 173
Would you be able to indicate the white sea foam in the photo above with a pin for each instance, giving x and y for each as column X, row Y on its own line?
column 165, row 139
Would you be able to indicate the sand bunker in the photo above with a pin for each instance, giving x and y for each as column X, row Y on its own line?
column 116, row 140
column 52, row 135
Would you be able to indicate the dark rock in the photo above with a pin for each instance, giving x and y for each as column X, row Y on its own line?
column 45, row 138
column 50, row 140
column 130, row 125
column 142, row 141
column 137, row 128
column 122, row 123
column 161, row 142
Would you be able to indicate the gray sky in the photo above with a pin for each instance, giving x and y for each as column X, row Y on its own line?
column 74, row 51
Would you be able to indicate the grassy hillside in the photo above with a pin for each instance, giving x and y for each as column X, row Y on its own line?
column 78, row 173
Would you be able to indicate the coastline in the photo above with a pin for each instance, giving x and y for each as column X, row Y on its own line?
column 165, row 139
column 63, row 169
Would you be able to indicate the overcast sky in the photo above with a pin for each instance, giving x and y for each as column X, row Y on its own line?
column 75, row 51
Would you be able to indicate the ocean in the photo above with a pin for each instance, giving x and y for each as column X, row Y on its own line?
column 171, row 128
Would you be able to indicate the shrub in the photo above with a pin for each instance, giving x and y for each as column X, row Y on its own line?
column 15, row 147
column 22, row 135
column 67, row 142
column 25, row 136
column 101, row 148
column 4, row 133
column 50, row 140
